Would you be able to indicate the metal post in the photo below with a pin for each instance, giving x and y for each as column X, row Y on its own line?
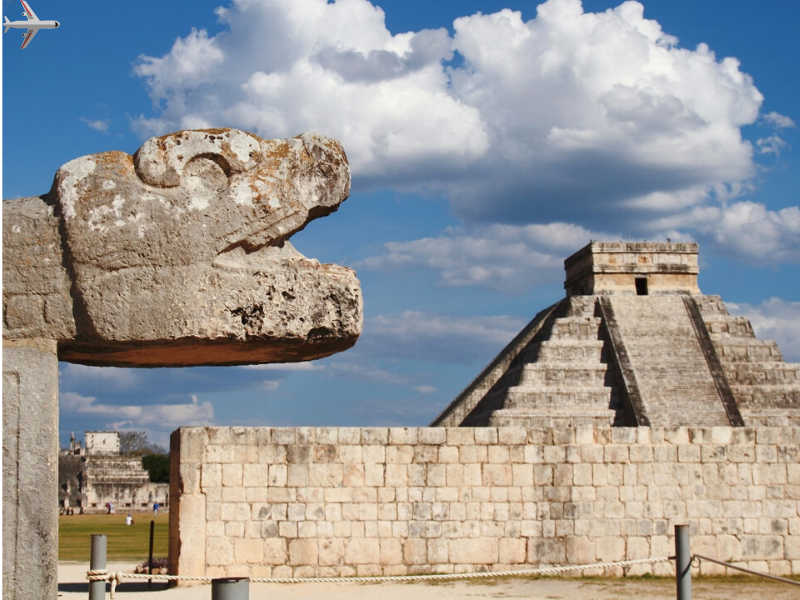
column 683, row 563
column 97, row 562
column 230, row 588
column 150, row 555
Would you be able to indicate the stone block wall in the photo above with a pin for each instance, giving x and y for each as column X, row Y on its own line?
column 366, row 501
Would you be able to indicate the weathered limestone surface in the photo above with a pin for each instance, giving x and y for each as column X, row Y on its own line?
column 178, row 255
column 30, row 469
column 280, row 502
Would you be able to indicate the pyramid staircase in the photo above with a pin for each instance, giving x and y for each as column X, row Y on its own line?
column 673, row 375
column 561, row 376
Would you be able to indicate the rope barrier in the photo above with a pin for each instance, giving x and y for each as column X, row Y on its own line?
column 97, row 575
column 700, row 557
column 118, row 576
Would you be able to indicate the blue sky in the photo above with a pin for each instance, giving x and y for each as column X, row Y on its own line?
column 488, row 141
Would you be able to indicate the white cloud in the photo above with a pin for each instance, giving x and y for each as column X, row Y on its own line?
column 566, row 117
column 416, row 325
column 296, row 366
column 364, row 371
column 97, row 124
column 772, row 144
column 291, row 66
column 118, row 378
column 774, row 319
column 425, row 389
column 270, row 384
column 748, row 229
column 778, row 120
column 190, row 63
column 437, row 338
column 157, row 419
column 504, row 257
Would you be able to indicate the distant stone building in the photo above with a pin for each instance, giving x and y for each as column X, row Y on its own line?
column 634, row 342
column 90, row 477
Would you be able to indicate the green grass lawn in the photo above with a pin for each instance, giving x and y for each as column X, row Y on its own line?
column 124, row 543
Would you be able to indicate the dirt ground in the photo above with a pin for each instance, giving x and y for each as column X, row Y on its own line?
column 72, row 584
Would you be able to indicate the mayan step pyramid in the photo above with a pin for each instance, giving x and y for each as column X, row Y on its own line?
column 634, row 342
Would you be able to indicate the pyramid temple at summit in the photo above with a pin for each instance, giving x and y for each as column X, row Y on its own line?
column 634, row 342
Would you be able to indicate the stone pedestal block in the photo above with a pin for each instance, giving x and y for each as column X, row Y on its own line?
column 30, row 469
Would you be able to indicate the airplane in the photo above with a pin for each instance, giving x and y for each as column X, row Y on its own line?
column 32, row 23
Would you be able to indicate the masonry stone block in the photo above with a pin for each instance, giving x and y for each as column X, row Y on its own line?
column 468, row 454
column 403, row 435
column 438, row 551
column 374, row 435
column 792, row 547
column 497, row 475
column 306, row 529
column 486, row 435
column 274, row 454
column 512, row 435
column 374, row 453
column 219, row 551
column 458, row 436
column 793, row 473
column 211, row 476
column 512, row 550
column 350, row 454
column 498, row 454
column 432, row 435
column 546, row 550
column 554, row 454
column 637, row 547
column 624, row 435
column 326, row 475
column 592, row 454
column 353, row 476
column 641, row 453
column 325, row 453
column 424, row 453
column 448, row 454
column 415, row 551
column 584, row 434
column 254, row 475
column 474, row 550
column 248, row 550
column 194, row 440
column 215, row 528
column 562, row 475
column 233, row 494
column 303, row 552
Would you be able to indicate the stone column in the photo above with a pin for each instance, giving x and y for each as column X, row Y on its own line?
column 30, row 469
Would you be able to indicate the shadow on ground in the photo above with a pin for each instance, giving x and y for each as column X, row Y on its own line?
column 138, row 586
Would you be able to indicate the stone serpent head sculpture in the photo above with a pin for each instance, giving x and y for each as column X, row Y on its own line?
column 179, row 254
